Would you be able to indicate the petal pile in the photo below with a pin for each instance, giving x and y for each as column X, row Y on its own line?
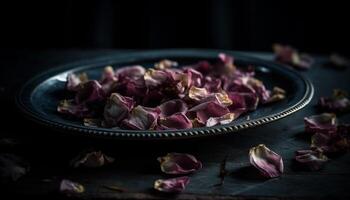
column 269, row 163
column 167, row 96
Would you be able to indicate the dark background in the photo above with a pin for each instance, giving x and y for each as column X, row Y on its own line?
column 312, row 26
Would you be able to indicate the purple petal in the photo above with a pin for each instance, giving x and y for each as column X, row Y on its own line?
column 212, row 84
column 338, row 103
column 132, row 72
column 172, row 185
column 174, row 122
column 142, row 118
column 269, row 163
column 117, row 109
column 313, row 159
column 73, row 81
column 323, row 123
column 155, row 78
column 179, row 163
column 290, row 56
column 69, row 187
column 90, row 92
column 206, row 110
column 194, row 77
column 224, row 65
column 91, row 160
column 243, row 101
column 173, row 106
column 69, row 107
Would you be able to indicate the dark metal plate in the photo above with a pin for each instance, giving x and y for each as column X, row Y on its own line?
column 39, row 97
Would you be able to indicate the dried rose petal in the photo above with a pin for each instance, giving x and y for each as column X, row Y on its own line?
column 338, row 103
column 89, row 92
column 330, row 143
column 91, row 160
column 206, row 110
column 339, row 61
column 225, row 119
column 224, row 65
column 221, row 97
column 132, row 72
column 117, row 108
column 194, row 77
column 174, row 122
column 173, row 106
column 197, row 94
column 12, row 167
column 243, row 101
column 179, row 163
column 73, row 109
column 290, row 56
column 212, row 84
column 269, row 163
column 172, row 185
column 276, row 95
column 314, row 159
column 323, row 123
column 73, row 81
column 155, row 78
column 142, row 118
column 69, row 187
column 165, row 64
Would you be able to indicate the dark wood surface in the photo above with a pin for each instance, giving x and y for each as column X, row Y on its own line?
column 136, row 167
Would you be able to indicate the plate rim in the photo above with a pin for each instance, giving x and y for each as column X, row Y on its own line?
column 157, row 135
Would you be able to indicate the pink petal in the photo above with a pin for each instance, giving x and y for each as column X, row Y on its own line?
column 269, row 163
column 89, row 92
column 172, row 185
column 206, row 110
column 178, row 163
column 117, row 108
column 73, row 81
column 91, row 160
column 323, row 123
column 313, row 159
column 132, row 72
column 69, row 187
column 174, row 122
column 173, row 106
column 69, row 107
column 142, row 118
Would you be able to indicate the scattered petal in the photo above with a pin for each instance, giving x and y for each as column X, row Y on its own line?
column 91, row 160
column 69, row 187
column 323, row 123
column 313, row 159
column 290, row 56
column 338, row 103
column 173, row 185
column 338, row 61
column 179, row 163
column 12, row 167
column 269, row 163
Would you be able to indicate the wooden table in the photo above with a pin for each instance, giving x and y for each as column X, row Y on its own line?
column 136, row 167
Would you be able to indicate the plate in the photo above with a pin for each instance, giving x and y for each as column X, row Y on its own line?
column 39, row 97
